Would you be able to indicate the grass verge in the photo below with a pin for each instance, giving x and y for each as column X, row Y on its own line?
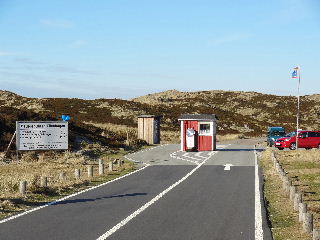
column 283, row 219
column 11, row 202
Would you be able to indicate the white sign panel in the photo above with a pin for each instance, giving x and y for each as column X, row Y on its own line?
column 42, row 135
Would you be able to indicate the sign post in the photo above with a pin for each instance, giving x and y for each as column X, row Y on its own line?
column 296, row 74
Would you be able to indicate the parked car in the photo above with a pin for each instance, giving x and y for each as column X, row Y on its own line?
column 274, row 133
column 306, row 139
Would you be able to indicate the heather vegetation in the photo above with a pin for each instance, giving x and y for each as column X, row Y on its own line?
column 107, row 121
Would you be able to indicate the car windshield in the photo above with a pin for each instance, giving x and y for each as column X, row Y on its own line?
column 292, row 134
column 278, row 133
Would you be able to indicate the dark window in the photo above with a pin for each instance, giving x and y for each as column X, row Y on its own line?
column 311, row 134
column 204, row 128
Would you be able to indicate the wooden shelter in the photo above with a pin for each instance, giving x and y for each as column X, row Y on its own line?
column 149, row 128
column 198, row 132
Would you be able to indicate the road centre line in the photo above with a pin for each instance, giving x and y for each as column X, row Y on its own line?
column 148, row 204
column 257, row 210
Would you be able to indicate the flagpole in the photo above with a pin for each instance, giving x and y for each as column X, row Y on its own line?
column 298, row 109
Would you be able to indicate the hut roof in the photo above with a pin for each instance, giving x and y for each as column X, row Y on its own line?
column 211, row 117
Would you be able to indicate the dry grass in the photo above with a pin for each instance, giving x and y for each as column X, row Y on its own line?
column 303, row 168
column 284, row 220
column 32, row 166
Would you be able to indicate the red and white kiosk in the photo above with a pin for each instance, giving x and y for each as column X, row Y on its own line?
column 198, row 132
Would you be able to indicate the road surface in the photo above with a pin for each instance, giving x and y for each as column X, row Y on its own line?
column 204, row 195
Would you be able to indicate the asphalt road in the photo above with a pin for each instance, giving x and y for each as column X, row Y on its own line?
column 179, row 196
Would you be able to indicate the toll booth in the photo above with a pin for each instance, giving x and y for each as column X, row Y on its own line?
column 198, row 132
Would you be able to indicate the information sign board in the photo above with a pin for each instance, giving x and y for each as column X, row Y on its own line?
column 47, row 135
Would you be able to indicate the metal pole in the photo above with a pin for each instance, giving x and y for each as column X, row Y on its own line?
column 298, row 110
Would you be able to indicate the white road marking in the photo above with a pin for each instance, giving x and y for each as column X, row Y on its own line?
column 148, row 204
column 258, row 215
column 227, row 167
column 187, row 155
column 69, row 196
column 198, row 155
column 183, row 159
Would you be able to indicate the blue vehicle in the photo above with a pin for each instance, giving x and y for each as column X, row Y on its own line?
column 274, row 133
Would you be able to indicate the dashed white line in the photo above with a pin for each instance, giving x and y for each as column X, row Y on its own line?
column 148, row 204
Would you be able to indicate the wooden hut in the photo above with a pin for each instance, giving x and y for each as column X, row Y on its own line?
column 198, row 132
column 149, row 128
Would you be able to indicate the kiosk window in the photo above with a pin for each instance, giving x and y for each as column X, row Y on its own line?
column 205, row 129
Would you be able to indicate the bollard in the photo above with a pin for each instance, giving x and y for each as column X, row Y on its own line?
column 316, row 234
column 297, row 200
column 90, row 171
column 293, row 190
column 101, row 169
column 308, row 222
column 62, row 176
column 302, row 211
column 23, row 187
column 101, row 161
column 44, row 182
column 77, row 173
column 289, row 184
column 110, row 166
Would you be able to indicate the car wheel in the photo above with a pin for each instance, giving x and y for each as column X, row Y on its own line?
column 292, row 146
column 280, row 148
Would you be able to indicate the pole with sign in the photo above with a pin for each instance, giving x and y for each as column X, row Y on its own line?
column 296, row 74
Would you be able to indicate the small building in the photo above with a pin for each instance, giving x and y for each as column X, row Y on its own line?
column 198, row 132
column 149, row 128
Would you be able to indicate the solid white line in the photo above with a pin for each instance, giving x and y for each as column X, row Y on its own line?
column 257, row 210
column 148, row 204
column 69, row 196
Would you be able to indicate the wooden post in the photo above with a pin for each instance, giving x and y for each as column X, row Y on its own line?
column 292, row 192
column 308, row 222
column 101, row 169
column 289, row 184
column 297, row 200
column 90, row 171
column 77, row 173
column 302, row 211
column 44, row 182
column 110, row 166
column 62, row 176
column 316, row 234
column 23, row 187
column 5, row 153
column 100, row 161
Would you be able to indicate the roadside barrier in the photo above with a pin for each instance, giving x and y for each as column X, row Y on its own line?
column 305, row 216
column 114, row 165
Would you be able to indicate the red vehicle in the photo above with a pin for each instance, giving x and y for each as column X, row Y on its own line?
column 306, row 139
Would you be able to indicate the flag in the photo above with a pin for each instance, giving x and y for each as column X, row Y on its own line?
column 295, row 74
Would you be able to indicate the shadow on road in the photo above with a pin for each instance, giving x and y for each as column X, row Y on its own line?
column 95, row 199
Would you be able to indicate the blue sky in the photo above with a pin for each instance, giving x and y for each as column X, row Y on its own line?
column 124, row 49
